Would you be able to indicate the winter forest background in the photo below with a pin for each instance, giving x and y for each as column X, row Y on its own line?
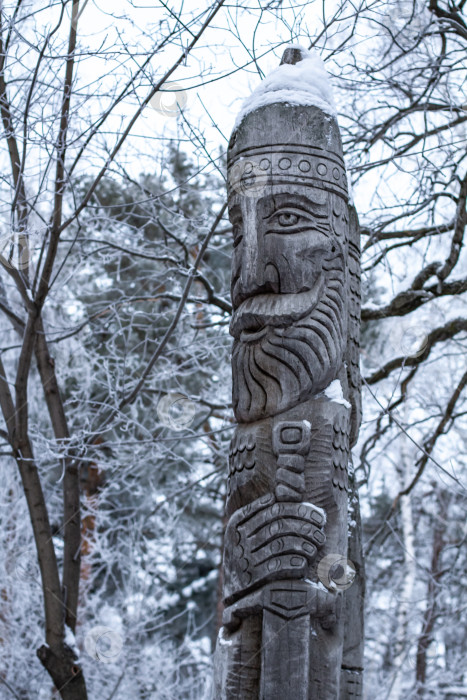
column 114, row 297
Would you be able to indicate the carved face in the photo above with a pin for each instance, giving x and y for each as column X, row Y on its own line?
column 288, row 293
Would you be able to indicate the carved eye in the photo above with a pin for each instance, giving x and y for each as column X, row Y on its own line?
column 287, row 219
column 291, row 218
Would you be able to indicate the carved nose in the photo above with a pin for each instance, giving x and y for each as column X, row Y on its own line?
column 257, row 274
column 257, row 277
column 251, row 264
column 251, row 275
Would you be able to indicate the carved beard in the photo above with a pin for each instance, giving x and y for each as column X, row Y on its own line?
column 283, row 364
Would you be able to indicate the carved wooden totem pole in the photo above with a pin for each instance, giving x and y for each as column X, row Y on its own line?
column 293, row 575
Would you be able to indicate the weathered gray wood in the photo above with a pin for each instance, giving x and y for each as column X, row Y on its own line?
column 292, row 627
column 352, row 659
column 281, row 640
column 237, row 664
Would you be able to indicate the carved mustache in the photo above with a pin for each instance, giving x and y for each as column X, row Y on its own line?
column 261, row 310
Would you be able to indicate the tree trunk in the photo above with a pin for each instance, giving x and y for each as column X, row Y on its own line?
column 429, row 616
column 67, row 676
column 405, row 604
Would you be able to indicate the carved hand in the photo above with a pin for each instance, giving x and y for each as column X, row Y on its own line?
column 266, row 541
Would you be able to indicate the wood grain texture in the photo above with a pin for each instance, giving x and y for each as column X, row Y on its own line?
column 293, row 625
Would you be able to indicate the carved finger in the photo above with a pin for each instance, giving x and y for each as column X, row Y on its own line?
column 286, row 565
column 250, row 524
column 306, row 511
column 251, row 511
column 289, row 544
column 284, row 527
